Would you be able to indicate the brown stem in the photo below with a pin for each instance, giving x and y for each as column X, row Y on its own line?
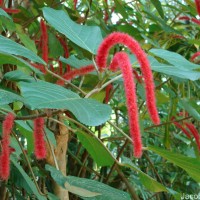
column 115, row 164
column 29, row 165
column 169, row 122
column 128, row 185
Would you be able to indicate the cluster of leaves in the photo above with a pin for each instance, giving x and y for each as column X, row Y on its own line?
column 100, row 160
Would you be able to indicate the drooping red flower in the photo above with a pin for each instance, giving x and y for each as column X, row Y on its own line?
column 11, row 10
column 184, row 18
column 196, row 21
column 195, row 55
column 76, row 72
column 195, row 133
column 66, row 51
column 40, row 67
column 197, row 2
column 44, row 37
column 183, row 129
column 122, row 60
column 39, row 142
column 109, row 88
column 133, row 45
column 1, row 3
column 5, row 153
column 75, row 4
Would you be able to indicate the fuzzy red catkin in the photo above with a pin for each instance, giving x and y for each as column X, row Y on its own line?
column 44, row 34
column 1, row 3
column 5, row 153
column 39, row 66
column 197, row 2
column 133, row 45
column 196, row 21
column 194, row 56
column 75, row 4
column 11, row 11
column 109, row 88
column 183, row 129
column 195, row 133
column 184, row 18
column 76, row 72
column 122, row 60
column 66, row 50
column 39, row 142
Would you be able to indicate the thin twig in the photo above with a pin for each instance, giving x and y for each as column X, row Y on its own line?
column 103, row 86
column 67, row 82
column 52, row 152
column 115, row 164
column 29, row 165
column 128, row 185
column 170, row 122
column 120, row 130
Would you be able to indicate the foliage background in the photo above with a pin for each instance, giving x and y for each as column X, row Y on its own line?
column 99, row 146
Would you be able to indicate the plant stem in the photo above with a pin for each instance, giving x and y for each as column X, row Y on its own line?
column 29, row 165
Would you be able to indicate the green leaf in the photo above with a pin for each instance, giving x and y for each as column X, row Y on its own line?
column 149, row 182
column 10, row 47
column 190, row 165
column 63, row 181
column 191, row 107
column 7, row 97
column 27, row 132
column 75, row 62
column 96, row 149
column 18, row 75
column 40, row 95
column 3, row 13
column 175, row 70
column 87, row 37
column 100, row 190
column 10, row 59
column 25, row 39
column 174, row 59
column 27, row 179
column 158, row 7
column 120, row 9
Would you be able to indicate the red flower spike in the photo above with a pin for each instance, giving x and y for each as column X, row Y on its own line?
column 40, row 67
column 183, row 129
column 39, row 142
column 184, row 18
column 195, row 133
column 1, row 3
column 122, row 60
column 11, row 11
column 133, row 45
column 75, row 4
column 76, row 72
column 5, row 153
column 66, row 51
column 197, row 2
column 44, row 37
column 109, row 88
column 194, row 56
column 196, row 21
column 60, row 68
